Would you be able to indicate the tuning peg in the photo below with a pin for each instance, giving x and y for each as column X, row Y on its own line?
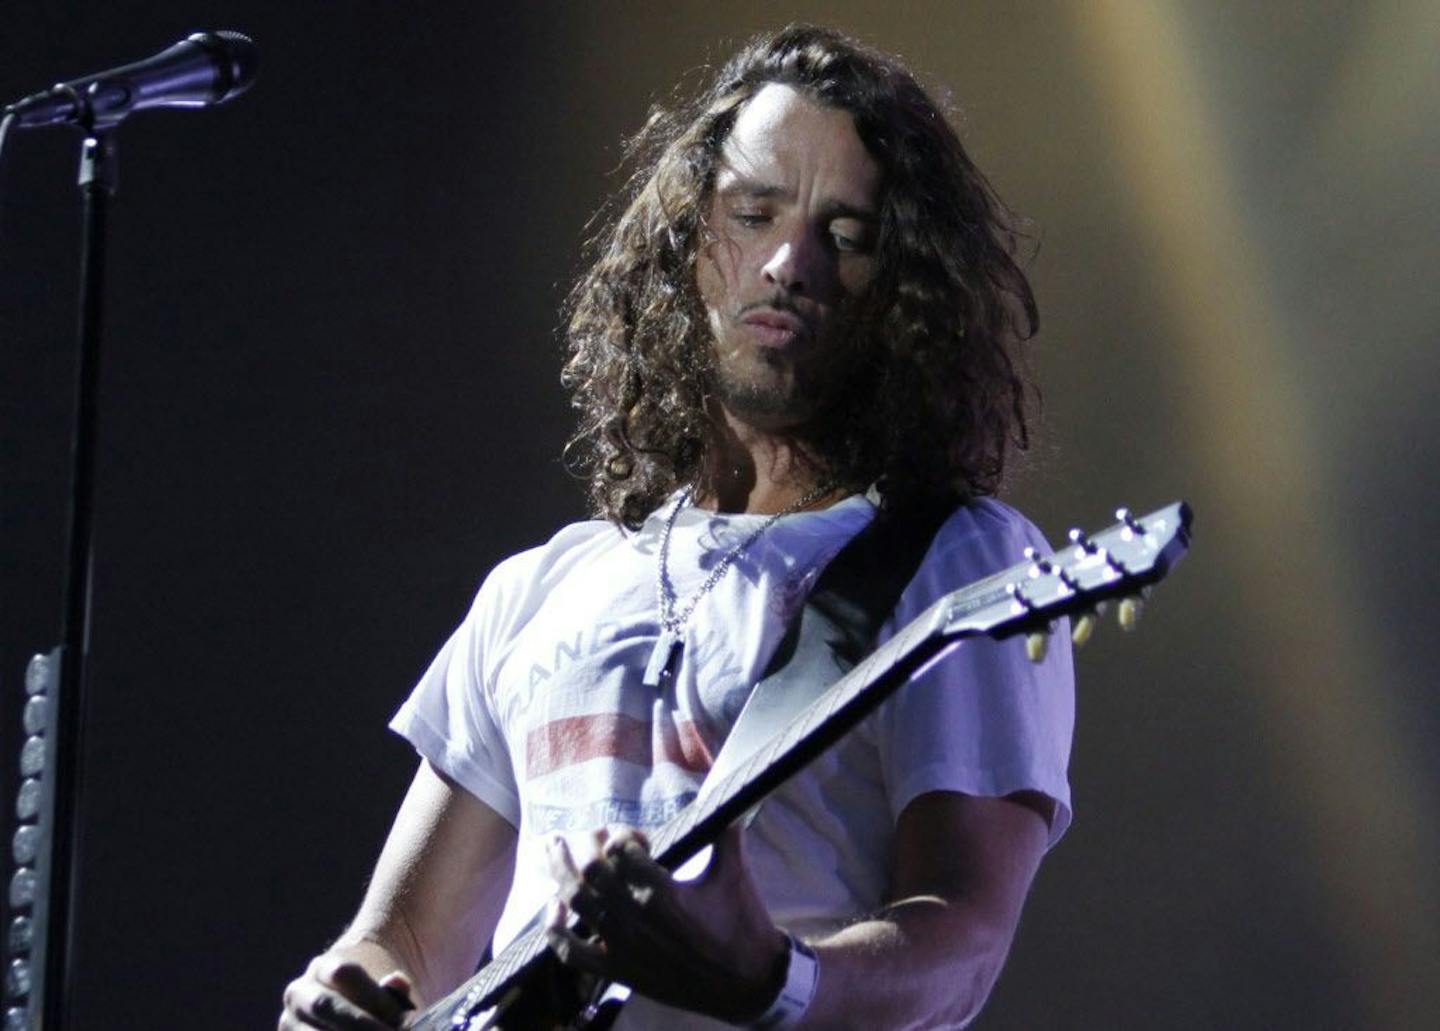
column 1036, row 644
column 1082, row 629
column 1083, row 544
column 1116, row 568
column 1039, row 564
column 1019, row 601
column 1129, row 612
column 1132, row 527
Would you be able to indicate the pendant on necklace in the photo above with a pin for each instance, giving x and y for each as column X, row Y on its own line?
column 662, row 660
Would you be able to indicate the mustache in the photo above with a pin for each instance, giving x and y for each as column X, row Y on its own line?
column 780, row 303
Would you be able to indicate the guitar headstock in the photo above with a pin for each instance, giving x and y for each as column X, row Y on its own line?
column 1121, row 561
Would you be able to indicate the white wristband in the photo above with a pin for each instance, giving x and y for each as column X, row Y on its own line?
column 801, row 977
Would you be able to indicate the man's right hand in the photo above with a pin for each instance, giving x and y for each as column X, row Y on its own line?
column 335, row 992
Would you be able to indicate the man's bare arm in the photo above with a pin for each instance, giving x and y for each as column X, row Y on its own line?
column 928, row 959
column 432, row 904
column 963, row 866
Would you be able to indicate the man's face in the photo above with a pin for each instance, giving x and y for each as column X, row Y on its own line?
column 793, row 221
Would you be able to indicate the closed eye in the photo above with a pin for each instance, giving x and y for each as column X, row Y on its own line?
column 848, row 244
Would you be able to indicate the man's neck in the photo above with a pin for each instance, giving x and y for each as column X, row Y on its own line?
column 756, row 471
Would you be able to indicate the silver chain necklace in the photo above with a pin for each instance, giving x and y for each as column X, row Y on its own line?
column 672, row 624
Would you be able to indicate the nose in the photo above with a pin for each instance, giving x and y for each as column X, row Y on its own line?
column 791, row 266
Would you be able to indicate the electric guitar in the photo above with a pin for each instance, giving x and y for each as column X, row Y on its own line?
column 525, row 987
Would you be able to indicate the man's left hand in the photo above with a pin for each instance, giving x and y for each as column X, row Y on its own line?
column 706, row 945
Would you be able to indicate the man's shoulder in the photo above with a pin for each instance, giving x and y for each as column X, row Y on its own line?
column 540, row 566
column 987, row 524
column 517, row 586
column 980, row 537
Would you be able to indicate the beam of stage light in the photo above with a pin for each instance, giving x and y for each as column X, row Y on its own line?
column 1343, row 754
column 1383, row 100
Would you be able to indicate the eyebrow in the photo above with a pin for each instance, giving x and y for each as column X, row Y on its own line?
column 758, row 190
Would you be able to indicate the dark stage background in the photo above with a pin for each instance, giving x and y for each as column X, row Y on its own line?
column 330, row 405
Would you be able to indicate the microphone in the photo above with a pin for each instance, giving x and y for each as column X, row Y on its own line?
column 202, row 69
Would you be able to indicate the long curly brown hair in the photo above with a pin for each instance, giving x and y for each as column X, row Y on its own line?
column 938, row 399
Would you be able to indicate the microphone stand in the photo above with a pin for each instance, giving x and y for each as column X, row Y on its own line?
column 203, row 69
column 97, row 182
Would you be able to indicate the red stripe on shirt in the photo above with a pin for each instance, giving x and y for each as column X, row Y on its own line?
column 610, row 735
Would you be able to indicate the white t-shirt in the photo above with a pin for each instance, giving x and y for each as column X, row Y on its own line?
column 536, row 705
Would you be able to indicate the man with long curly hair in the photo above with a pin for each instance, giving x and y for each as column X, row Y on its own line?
column 804, row 311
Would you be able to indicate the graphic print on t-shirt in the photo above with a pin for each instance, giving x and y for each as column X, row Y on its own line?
column 603, row 749
column 609, row 735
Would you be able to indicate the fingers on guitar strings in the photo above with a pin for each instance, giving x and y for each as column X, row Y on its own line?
column 576, row 952
column 577, row 891
column 622, row 837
